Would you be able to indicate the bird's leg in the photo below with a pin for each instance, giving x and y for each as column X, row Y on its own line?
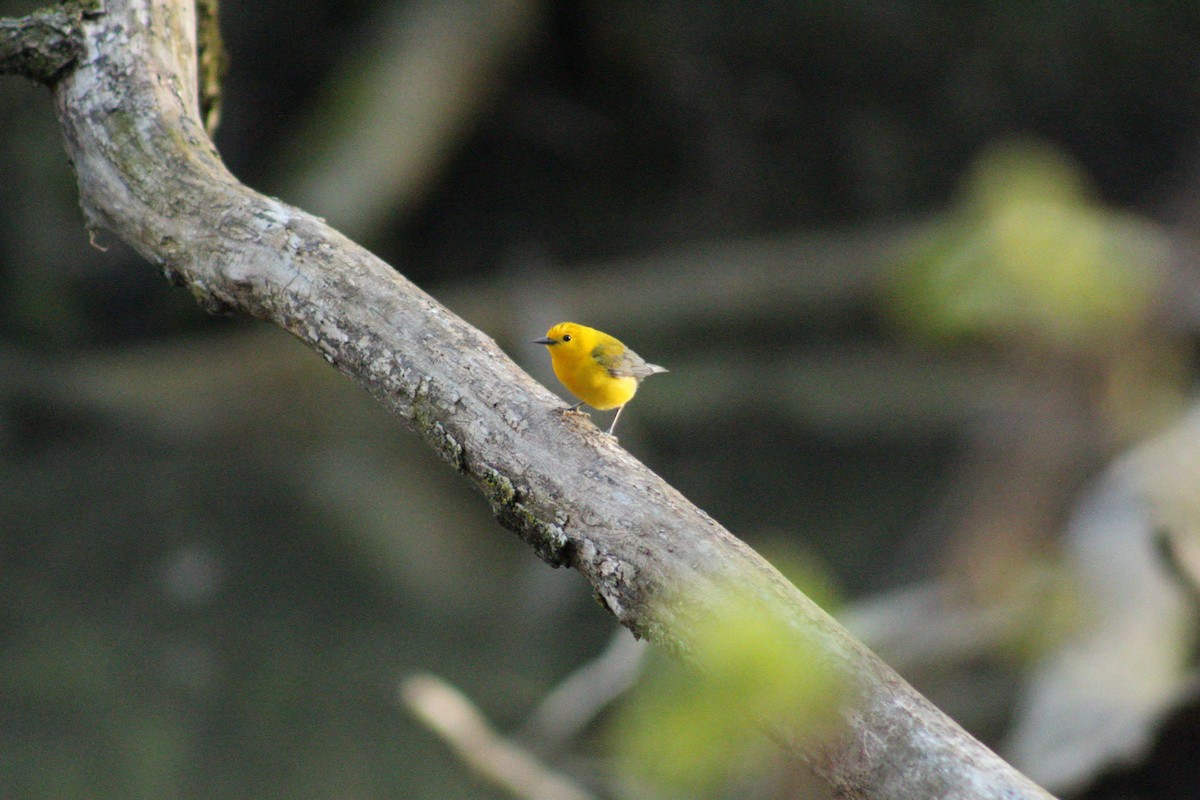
column 616, row 417
column 572, row 410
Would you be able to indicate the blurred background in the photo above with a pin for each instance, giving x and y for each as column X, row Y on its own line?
column 923, row 273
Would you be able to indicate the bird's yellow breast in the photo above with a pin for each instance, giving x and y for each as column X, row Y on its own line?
column 588, row 380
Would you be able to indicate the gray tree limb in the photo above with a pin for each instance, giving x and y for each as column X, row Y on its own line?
column 148, row 172
column 43, row 44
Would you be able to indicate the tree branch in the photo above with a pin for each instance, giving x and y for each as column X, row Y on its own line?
column 148, row 172
column 43, row 44
column 452, row 716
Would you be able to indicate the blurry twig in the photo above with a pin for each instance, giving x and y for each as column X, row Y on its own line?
column 418, row 84
column 827, row 273
column 949, row 638
column 938, row 626
column 823, row 273
column 447, row 712
column 588, row 690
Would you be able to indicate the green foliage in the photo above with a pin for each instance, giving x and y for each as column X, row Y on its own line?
column 701, row 727
column 1027, row 254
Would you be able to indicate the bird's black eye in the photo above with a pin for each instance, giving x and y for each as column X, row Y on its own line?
column 567, row 338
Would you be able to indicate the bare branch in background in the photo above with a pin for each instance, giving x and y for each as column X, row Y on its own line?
column 428, row 70
column 452, row 716
column 587, row 691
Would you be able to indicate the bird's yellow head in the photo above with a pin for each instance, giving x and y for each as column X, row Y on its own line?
column 567, row 338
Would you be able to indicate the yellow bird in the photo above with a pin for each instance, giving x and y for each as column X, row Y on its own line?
column 595, row 367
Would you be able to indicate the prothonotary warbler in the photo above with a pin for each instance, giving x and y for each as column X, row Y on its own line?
column 595, row 367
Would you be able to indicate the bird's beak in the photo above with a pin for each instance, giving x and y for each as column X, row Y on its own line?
column 545, row 340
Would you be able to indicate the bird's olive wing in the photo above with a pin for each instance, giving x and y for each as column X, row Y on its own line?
column 621, row 362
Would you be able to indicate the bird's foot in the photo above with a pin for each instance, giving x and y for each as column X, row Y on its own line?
column 572, row 411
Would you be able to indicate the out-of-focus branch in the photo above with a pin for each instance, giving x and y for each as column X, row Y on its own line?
column 453, row 717
column 576, row 701
column 425, row 76
column 703, row 283
column 1097, row 698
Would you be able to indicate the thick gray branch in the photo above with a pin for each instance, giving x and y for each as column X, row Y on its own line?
column 43, row 44
column 148, row 172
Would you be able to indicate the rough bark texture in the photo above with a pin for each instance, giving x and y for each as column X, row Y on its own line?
column 148, row 172
column 43, row 44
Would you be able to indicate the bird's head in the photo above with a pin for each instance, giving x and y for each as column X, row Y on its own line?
column 567, row 337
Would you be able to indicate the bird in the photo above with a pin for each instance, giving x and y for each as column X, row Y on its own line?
column 597, row 368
